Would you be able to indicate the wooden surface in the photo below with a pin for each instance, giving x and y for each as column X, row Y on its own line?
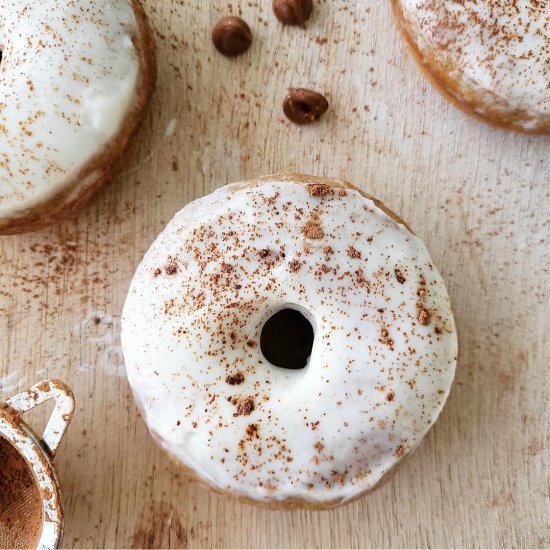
column 479, row 197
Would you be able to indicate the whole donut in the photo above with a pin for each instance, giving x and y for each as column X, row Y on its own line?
column 381, row 365
column 491, row 58
column 75, row 79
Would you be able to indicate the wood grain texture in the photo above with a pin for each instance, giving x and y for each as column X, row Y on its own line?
column 479, row 197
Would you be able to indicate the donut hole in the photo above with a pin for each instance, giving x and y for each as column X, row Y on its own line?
column 287, row 339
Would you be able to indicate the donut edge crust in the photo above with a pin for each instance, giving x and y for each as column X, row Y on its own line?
column 294, row 503
column 286, row 504
column 464, row 98
column 110, row 161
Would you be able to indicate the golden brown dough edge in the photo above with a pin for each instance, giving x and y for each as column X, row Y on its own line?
column 110, row 161
column 295, row 503
column 466, row 100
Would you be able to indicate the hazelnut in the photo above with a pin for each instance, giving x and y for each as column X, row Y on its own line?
column 232, row 36
column 303, row 106
column 293, row 12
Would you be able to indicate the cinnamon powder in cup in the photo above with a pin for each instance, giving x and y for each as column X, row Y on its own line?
column 20, row 502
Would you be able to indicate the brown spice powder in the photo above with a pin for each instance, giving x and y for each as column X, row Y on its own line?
column 295, row 265
column 385, row 338
column 264, row 253
column 245, row 408
column 171, row 268
column 319, row 189
column 20, row 502
column 399, row 276
column 424, row 317
column 235, row 379
column 313, row 228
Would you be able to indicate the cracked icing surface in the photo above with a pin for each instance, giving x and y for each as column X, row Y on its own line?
column 382, row 362
column 496, row 46
column 67, row 79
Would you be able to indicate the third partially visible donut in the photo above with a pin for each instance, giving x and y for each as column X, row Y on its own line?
column 491, row 58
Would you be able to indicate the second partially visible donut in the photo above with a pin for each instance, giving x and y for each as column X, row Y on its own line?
column 75, row 79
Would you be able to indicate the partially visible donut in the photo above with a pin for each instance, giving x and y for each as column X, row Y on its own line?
column 381, row 365
column 491, row 58
column 75, row 79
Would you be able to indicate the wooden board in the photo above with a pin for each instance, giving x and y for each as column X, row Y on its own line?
column 479, row 197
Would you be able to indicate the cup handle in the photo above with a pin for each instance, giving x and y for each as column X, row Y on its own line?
column 61, row 415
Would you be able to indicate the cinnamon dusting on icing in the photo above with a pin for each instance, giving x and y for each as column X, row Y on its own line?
column 171, row 268
column 235, row 379
column 313, row 229
column 319, row 190
column 295, row 265
column 399, row 276
column 424, row 317
column 244, row 407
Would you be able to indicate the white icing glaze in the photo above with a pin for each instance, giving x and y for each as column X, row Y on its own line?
column 68, row 74
column 497, row 46
column 194, row 314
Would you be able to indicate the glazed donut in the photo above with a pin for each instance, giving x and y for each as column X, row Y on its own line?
column 380, row 367
column 75, row 79
column 491, row 58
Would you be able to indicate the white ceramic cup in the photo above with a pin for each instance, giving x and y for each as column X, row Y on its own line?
column 39, row 452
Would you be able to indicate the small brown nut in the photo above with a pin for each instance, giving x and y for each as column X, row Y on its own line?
column 303, row 106
column 232, row 36
column 293, row 12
